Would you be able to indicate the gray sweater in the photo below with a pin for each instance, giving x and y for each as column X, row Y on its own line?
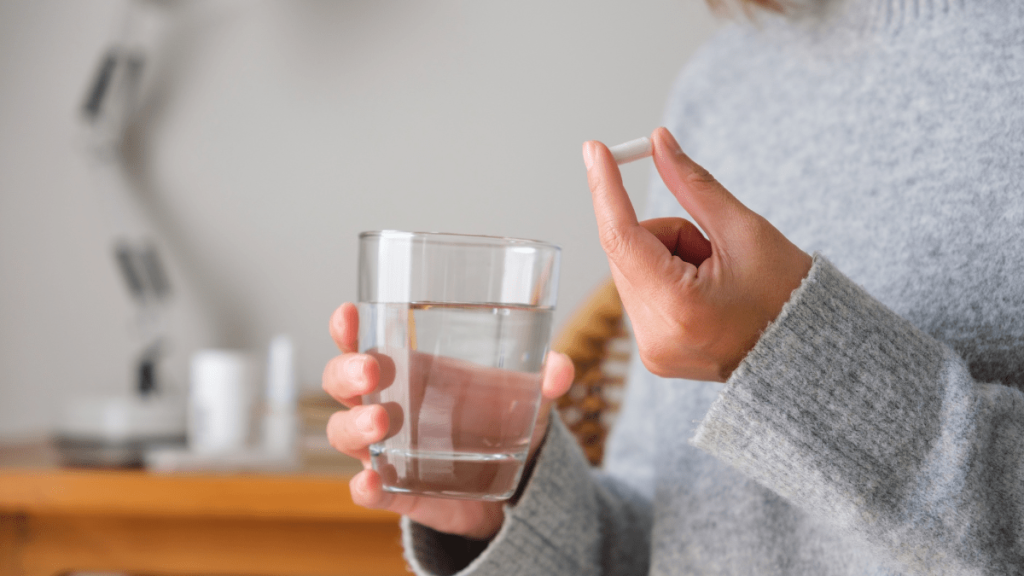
column 878, row 425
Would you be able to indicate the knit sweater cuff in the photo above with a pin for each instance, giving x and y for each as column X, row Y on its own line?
column 826, row 407
column 545, row 529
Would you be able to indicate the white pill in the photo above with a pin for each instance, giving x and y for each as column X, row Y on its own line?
column 632, row 150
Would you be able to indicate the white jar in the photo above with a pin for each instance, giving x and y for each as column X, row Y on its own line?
column 220, row 401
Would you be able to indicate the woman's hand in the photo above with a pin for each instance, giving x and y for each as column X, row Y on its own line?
column 350, row 375
column 697, row 305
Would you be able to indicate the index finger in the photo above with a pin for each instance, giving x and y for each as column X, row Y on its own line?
column 344, row 328
column 637, row 253
column 616, row 218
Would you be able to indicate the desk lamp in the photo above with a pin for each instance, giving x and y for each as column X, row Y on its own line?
column 117, row 430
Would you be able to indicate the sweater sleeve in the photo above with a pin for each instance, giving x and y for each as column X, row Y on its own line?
column 850, row 412
column 570, row 519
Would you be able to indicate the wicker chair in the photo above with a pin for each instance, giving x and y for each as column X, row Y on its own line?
column 597, row 341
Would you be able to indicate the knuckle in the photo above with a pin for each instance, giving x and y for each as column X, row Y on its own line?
column 754, row 231
column 336, row 430
column 613, row 241
column 700, row 179
column 328, row 381
column 337, row 381
column 340, row 435
column 358, row 491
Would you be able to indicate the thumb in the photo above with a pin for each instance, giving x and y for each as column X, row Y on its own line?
column 713, row 207
column 558, row 375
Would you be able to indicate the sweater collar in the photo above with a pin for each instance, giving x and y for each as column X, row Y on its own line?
column 868, row 15
column 894, row 14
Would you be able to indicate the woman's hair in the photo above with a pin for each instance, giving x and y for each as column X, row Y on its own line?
column 727, row 6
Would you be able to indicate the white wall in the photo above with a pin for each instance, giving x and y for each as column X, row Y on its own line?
column 275, row 133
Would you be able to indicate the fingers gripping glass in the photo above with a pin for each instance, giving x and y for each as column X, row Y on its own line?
column 460, row 326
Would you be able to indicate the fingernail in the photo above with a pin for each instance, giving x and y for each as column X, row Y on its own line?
column 354, row 369
column 365, row 421
column 588, row 154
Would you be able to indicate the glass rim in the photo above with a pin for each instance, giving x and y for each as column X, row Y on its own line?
column 458, row 239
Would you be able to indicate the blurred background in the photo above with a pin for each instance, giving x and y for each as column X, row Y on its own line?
column 182, row 185
column 267, row 134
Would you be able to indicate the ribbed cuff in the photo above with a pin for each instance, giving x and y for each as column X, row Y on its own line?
column 834, row 406
column 551, row 530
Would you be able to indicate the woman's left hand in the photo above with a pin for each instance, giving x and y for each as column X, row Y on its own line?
column 698, row 305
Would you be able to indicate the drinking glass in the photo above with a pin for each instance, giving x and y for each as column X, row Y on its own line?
column 460, row 326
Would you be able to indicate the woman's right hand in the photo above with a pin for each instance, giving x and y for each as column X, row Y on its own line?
column 350, row 375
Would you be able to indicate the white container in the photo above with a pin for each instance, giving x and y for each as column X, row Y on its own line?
column 280, row 422
column 220, row 401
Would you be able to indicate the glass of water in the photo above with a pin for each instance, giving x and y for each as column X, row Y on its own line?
column 460, row 326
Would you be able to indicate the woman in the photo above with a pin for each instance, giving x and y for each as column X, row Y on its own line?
column 871, row 417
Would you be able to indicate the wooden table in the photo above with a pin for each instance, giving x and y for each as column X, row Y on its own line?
column 54, row 521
